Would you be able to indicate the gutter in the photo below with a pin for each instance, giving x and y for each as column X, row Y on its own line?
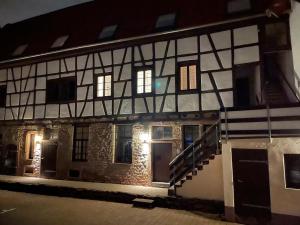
column 16, row 60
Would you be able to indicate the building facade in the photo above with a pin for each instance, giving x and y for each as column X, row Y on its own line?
column 122, row 109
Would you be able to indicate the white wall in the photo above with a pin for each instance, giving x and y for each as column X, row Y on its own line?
column 207, row 184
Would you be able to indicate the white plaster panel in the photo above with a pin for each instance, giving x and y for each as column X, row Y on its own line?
column 116, row 72
column 10, row 87
column 169, row 105
column 52, row 110
column 15, row 99
column 71, row 74
column 64, row 111
column 81, row 93
column 8, row 114
column 223, row 79
column 140, row 106
column 171, row 88
column 17, row 72
column 108, row 69
column 99, row 110
column 137, row 55
column 161, row 85
column 28, row 113
column 41, row 68
column 41, row 83
column 2, row 113
column 79, row 108
column 81, row 61
column 126, row 72
column 245, row 35
column 205, row 45
column 147, row 51
column 158, row 102
column 128, row 55
column 24, row 97
column 79, row 77
column 246, row 55
column 31, row 96
column 30, row 84
column 160, row 48
column 90, row 93
column 9, row 74
column 206, row 83
column 53, row 67
column 225, row 58
column 150, row 104
column 72, row 109
column 7, row 100
column 209, row 101
column 221, row 39
column 21, row 112
column 15, row 112
column 25, row 71
column 39, row 111
column 3, row 74
column 188, row 103
column 118, row 89
column 128, row 89
column 106, row 58
column 227, row 98
column 97, row 62
column 88, row 109
column 40, row 97
column 118, row 55
column 187, row 46
column 18, row 86
column 116, row 106
column 70, row 63
column 171, row 51
column 52, row 77
column 88, row 77
column 208, row 62
column 108, row 105
column 187, row 58
column 158, row 65
column 126, row 107
column 32, row 71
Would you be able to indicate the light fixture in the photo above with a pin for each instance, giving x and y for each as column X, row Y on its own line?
column 38, row 139
column 144, row 137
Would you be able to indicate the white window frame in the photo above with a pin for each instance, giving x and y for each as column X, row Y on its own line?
column 144, row 81
column 103, row 85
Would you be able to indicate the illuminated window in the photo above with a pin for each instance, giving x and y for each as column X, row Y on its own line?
column 108, row 32
column 60, row 42
column 80, row 144
column 166, row 21
column 20, row 50
column 236, row 6
column 104, row 86
column 144, row 81
column 188, row 77
column 123, row 151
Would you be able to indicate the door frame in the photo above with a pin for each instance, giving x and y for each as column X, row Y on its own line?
column 56, row 157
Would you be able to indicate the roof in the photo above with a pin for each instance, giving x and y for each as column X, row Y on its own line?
column 83, row 23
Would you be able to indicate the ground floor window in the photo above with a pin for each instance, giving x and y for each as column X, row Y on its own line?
column 190, row 134
column 123, row 149
column 81, row 138
column 161, row 132
column 292, row 170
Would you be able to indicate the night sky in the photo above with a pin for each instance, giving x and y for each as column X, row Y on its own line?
column 12, row 11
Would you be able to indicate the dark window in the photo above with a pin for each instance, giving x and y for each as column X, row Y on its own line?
column 166, row 21
column 161, row 132
column 108, row 32
column 2, row 96
column 238, row 6
column 31, row 146
column 123, row 153
column 190, row 134
column 276, row 36
column 292, row 170
column 80, row 146
column 20, row 50
column 188, row 77
column 61, row 90
column 144, row 81
column 60, row 41
column 104, row 85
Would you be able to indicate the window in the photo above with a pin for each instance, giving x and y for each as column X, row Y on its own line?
column 188, row 77
column 190, row 134
column 20, row 50
column 123, row 151
column 80, row 143
column 2, row 96
column 61, row 90
column 104, row 85
column 276, row 36
column 237, row 6
column 108, row 32
column 292, row 170
column 60, row 42
column 144, row 81
column 160, row 132
column 165, row 21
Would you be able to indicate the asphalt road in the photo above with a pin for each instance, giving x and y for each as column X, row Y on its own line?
column 28, row 209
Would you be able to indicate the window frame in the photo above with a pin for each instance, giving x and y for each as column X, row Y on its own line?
column 83, row 151
column 163, row 138
column 96, row 86
column 60, row 81
column 135, row 81
column 288, row 184
column 66, row 39
column 166, row 28
column 178, row 77
column 111, row 37
column 184, row 132
column 4, row 89
column 116, row 139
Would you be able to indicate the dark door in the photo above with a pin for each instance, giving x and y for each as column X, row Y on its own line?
column 48, row 162
column 162, row 153
column 243, row 91
column 251, row 183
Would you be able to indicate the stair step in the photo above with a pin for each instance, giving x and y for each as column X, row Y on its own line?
column 178, row 184
column 205, row 162
column 199, row 166
column 143, row 202
column 212, row 156
column 171, row 191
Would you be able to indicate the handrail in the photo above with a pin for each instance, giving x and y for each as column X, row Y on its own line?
column 181, row 154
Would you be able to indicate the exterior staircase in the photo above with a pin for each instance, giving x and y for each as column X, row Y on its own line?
column 193, row 159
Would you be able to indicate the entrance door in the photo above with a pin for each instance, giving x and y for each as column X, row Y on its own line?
column 48, row 160
column 251, row 183
column 162, row 153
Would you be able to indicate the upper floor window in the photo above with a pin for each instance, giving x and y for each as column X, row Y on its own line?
column 20, row 50
column 238, row 6
column 144, row 81
column 60, row 41
column 61, row 90
column 2, row 96
column 188, row 76
column 108, row 32
column 104, row 85
column 165, row 21
column 80, row 146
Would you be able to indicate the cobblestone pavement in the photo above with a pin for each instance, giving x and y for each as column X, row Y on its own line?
column 28, row 209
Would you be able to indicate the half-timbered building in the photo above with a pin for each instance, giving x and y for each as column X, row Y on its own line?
column 201, row 97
